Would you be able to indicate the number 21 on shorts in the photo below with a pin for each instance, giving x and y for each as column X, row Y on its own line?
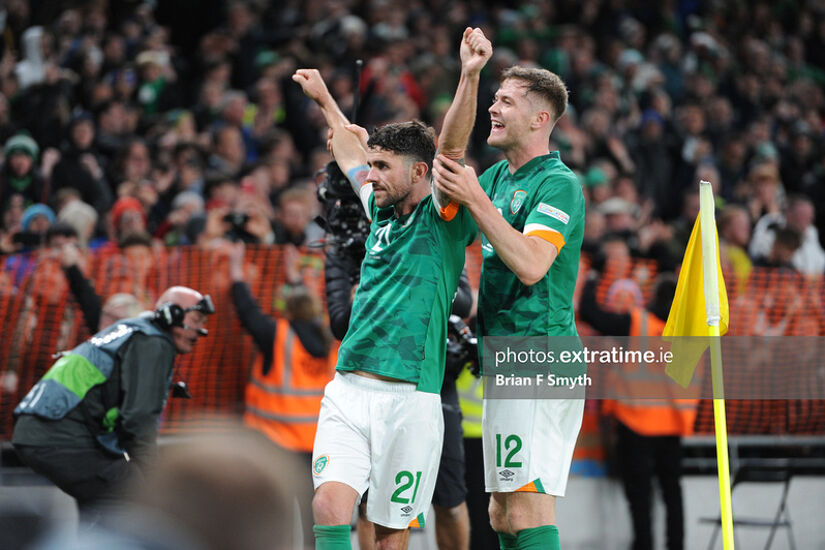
column 404, row 481
column 512, row 445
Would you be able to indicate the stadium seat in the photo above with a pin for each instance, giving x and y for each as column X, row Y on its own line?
column 763, row 470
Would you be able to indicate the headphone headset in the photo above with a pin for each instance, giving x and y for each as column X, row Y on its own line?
column 169, row 315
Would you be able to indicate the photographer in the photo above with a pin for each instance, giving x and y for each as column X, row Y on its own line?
column 342, row 269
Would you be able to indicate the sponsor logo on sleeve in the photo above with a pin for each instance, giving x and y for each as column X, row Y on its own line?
column 554, row 212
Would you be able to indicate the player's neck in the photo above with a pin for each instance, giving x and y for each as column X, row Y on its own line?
column 408, row 203
column 522, row 154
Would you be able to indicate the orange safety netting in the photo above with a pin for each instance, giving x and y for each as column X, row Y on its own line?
column 40, row 318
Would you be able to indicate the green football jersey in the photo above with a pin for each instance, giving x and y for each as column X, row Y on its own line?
column 543, row 198
column 398, row 326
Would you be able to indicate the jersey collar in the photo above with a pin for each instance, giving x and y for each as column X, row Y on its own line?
column 531, row 164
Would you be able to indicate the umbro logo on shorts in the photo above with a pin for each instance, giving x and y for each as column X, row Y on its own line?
column 407, row 509
column 507, row 475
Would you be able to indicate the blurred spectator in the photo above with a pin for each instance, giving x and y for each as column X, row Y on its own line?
column 198, row 489
column 63, row 240
column 654, row 167
column 80, row 167
column 82, row 217
column 268, row 110
column 232, row 109
column 798, row 157
column 808, row 257
column 133, row 166
column 12, row 218
column 185, row 206
column 784, row 245
column 597, row 184
column 34, row 225
column 128, row 217
column 157, row 92
column 293, row 219
column 734, row 236
column 36, row 221
column 764, row 190
column 620, row 215
column 20, row 174
column 112, row 127
column 228, row 151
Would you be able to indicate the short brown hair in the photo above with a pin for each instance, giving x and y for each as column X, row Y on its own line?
column 411, row 139
column 543, row 83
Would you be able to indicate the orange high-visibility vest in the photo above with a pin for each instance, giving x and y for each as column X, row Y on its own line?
column 652, row 417
column 285, row 403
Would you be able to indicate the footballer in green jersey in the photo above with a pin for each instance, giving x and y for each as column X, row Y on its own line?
column 543, row 198
column 380, row 425
column 530, row 209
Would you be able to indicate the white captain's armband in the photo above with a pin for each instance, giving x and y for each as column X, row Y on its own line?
column 358, row 178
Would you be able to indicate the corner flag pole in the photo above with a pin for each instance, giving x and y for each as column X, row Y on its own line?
column 711, row 285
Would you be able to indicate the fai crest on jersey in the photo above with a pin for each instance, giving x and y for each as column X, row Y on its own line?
column 518, row 200
column 319, row 464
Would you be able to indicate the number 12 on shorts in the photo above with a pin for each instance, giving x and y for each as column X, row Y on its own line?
column 405, row 481
column 512, row 444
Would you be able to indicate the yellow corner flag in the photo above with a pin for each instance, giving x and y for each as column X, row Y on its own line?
column 688, row 315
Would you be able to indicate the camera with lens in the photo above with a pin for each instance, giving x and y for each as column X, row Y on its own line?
column 237, row 227
column 462, row 348
column 342, row 215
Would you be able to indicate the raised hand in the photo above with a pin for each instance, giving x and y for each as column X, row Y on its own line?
column 475, row 51
column 312, row 84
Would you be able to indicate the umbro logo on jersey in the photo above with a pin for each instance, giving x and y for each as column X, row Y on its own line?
column 554, row 212
column 507, row 475
column 407, row 509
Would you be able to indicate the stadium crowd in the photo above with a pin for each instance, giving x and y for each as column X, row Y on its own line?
column 128, row 127
column 131, row 123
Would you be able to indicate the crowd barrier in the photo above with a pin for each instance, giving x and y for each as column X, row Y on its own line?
column 40, row 317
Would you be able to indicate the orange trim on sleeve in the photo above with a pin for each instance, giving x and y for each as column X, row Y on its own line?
column 553, row 237
column 415, row 523
column 448, row 212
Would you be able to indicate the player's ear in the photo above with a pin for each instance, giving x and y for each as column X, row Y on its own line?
column 542, row 118
column 419, row 170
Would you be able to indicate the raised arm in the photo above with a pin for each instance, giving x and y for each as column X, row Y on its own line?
column 475, row 51
column 347, row 142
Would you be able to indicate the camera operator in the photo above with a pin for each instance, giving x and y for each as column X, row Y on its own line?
column 91, row 422
column 342, row 269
